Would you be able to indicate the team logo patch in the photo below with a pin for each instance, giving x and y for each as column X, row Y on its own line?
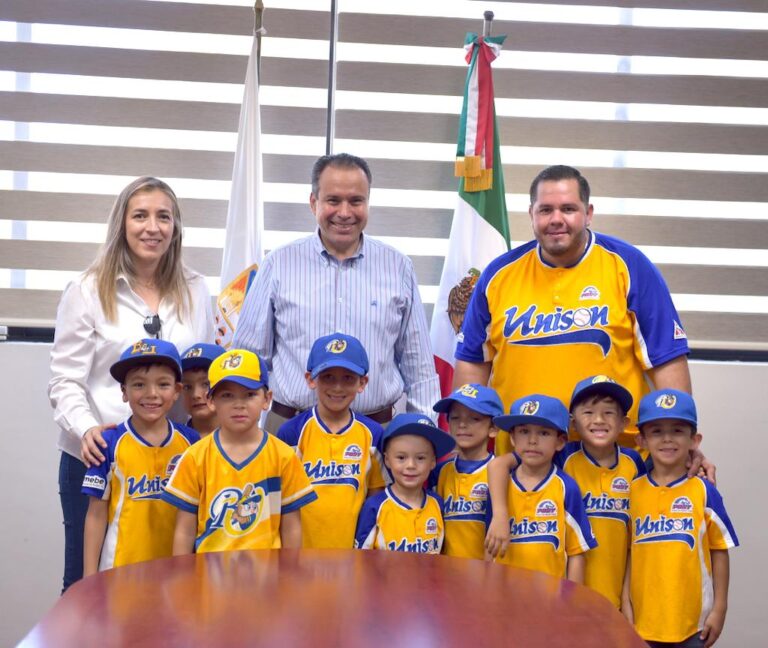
column 193, row 353
column 94, row 481
column 431, row 526
column 546, row 508
column 467, row 390
column 681, row 505
column 142, row 348
column 426, row 421
column 602, row 379
column 353, row 452
column 666, row 401
column 679, row 332
column 336, row 346
column 479, row 490
column 590, row 292
column 172, row 465
column 237, row 512
column 529, row 408
column 620, row 485
column 232, row 361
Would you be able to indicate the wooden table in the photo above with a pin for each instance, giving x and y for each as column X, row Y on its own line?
column 322, row 598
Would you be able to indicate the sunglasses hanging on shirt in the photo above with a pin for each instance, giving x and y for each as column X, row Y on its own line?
column 152, row 325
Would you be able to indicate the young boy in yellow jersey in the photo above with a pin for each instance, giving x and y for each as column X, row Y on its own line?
column 195, row 362
column 677, row 591
column 239, row 487
column 545, row 521
column 603, row 471
column 405, row 517
column 462, row 480
column 339, row 448
column 127, row 521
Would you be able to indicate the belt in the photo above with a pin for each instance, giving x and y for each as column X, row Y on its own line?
column 384, row 415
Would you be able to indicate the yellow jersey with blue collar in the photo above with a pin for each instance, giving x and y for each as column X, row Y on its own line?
column 238, row 505
column 673, row 529
column 610, row 312
column 342, row 467
column 463, row 487
column 388, row 523
column 547, row 524
column 605, row 493
column 139, row 523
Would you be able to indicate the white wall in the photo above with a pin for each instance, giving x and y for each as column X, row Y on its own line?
column 733, row 409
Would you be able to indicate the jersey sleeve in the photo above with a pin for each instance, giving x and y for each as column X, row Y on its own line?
column 720, row 531
column 561, row 456
column 290, row 431
column 365, row 533
column 578, row 532
column 661, row 337
column 184, row 486
column 190, row 434
column 96, row 482
column 296, row 489
column 634, row 455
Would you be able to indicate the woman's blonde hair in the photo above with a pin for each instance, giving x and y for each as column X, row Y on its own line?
column 114, row 257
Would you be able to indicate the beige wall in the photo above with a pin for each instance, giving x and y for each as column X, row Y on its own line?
column 733, row 409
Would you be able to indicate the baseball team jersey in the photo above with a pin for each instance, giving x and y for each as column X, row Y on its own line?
column 238, row 505
column 463, row 487
column 605, row 493
column 342, row 467
column 673, row 529
column 611, row 313
column 388, row 523
column 547, row 524
column 139, row 523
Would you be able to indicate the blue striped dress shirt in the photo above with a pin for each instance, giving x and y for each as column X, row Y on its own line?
column 301, row 292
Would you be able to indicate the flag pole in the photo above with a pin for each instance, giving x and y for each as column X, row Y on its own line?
column 258, row 30
column 487, row 20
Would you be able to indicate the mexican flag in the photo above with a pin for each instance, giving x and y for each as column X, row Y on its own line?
column 480, row 229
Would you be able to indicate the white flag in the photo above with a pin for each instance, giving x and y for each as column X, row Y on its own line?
column 245, row 216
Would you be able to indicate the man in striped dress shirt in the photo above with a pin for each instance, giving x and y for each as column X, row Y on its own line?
column 340, row 280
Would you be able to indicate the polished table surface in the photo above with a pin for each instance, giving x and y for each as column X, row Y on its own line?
column 325, row 598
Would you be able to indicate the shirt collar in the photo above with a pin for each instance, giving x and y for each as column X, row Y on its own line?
column 587, row 248
column 317, row 244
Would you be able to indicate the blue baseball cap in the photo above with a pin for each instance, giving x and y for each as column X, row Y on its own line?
column 200, row 356
column 667, row 404
column 536, row 409
column 240, row 367
column 601, row 385
column 474, row 396
column 337, row 350
column 147, row 351
column 420, row 425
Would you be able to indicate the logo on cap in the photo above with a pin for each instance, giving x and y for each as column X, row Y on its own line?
column 142, row 348
column 529, row 408
column 666, row 401
column 426, row 421
column 195, row 352
column 336, row 346
column 232, row 361
column 602, row 379
column 468, row 390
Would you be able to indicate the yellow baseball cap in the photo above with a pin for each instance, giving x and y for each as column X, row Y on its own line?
column 238, row 366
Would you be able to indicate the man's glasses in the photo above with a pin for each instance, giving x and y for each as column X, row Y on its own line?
column 152, row 325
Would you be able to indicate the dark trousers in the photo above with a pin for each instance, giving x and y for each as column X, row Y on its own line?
column 74, row 506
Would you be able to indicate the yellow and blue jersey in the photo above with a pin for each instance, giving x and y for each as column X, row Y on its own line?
column 611, row 312
column 673, row 529
column 139, row 523
column 342, row 467
column 547, row 524
column 238, row 505
column 463, row 487
column 388, row 523
column 605, row 493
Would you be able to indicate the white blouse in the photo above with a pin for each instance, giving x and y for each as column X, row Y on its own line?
column 81, row 390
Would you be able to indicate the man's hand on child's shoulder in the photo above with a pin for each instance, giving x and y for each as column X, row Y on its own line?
column 700, row 466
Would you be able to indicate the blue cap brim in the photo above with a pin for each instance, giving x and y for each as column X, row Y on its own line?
column 666, row 416
column 442, row 442
column 612, row 389
column 195, row 363
column 508, row 421
column 481, row 407
column 344, row 364
column 239, row 380
column 120, row 369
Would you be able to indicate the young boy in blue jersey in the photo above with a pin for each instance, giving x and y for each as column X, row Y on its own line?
column 195, row 362
column 603, row 471
column 677, row 588
column 405, row 517
column 127, row 521
column 462, row 480
column 545, row 520
column 239, row 487
column 339, row 448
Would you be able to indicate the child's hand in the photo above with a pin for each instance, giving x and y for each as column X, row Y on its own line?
column 713, row 626
column 497, row 538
